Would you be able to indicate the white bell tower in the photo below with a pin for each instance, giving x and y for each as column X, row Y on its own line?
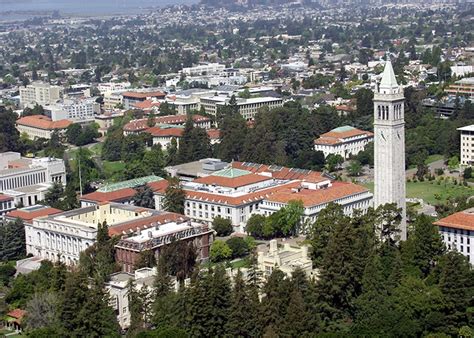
column 389, row 145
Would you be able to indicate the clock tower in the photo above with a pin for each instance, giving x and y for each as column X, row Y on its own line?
column 389, row 144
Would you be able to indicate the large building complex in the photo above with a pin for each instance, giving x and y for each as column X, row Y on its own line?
column 457, row 232
column 62, row 237
column 39, row 93
column 131, row 98
column 242, row 189
column 389, row 130
column 467, row 145
column 345, row 141
column 204, row 69
column 27, row 180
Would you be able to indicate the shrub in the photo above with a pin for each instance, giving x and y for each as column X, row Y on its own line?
column 220, row 251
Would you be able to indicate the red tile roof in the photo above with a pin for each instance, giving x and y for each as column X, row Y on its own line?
column 17, row 313
column 27, row 216
column 113, row 196
column 147, row 104
column 144, row 95
column 165, row 132
column 43, row 122
column 235, row 182
column 141, row 124
column 4, row 198
column 158, row 186
column 240, row 200
column 145, row 223
column 214, row 134
column 460, row 220
column 316, row 197
column 335, row 137
column 278, row 172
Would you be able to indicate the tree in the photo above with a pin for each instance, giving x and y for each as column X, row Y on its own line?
column 154, row 161
column 172, row 152
column 255, row 225
column 218, row 298
column 322, row 230
column 194, row 144
column 133, row 148
column 233, row 135
column 355, row 168
column 297, row 317
column 334, row 162
column 12, row 240
column 112, row 148
column 453, row 163
column 54, row 195
column 238, row 246
column 175, row 197
column 42, row 312
column 222, row 226
column 73, row 132
column 9, row 135
column 275, row 301
column 243, row 320
column 144, row 197
column 178, row 258
column 467, row 174
column 220, row 251
column 456, row 285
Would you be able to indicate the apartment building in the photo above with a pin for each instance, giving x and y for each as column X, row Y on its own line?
column 7, row 204
column 346, row 141
column 39, row 93
column 467, row 145
column 112, row 100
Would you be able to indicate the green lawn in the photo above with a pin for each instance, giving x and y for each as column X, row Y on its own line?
column 113, row 169
column 428, row 190
column 96, row 149
column 434, row 158
column 241, row 263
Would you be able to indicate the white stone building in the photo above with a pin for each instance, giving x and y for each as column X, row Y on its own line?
column 345, row 141
column 287, row 259
column 62, row 237
column 74, row 110
column 39, row 93
column 467, row 145
column 27, row 180
column 389, row 145
column 457, row 232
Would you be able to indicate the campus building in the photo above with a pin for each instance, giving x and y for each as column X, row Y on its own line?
column 131, row 98
column 345, row 141
column 27, row 180
column 457, row 232
column 463, row 87
column 248, row 108
column 76, row 110
column 467, row 145
column 62, row 237
column 141, row 125
column 40, row 126
column 39, row 93
column 242, row 189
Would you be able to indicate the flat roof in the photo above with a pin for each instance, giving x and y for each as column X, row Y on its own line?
column 467, row 128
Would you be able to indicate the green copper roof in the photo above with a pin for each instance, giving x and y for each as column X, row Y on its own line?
column 136, row 182
column 343, row 129
column 231, row 173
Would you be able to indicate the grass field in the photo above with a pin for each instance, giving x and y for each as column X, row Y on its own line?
column 430, row 159
column 112, row 170
column 428, row 191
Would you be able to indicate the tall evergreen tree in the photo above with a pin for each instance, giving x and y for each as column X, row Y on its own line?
column 144, row 197
column 174, row 197
column 275, row 302
column 12, row 240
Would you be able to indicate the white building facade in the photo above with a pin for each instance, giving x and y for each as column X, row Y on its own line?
column 74, row 110
column 39, row 93
column 344, row 141
column 467, row 145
